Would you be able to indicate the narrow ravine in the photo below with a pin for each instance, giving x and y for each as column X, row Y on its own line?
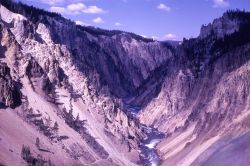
column 148, row 156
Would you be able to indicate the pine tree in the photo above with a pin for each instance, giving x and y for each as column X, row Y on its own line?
column 25, row 154
column 37, row 143
column 56, row 127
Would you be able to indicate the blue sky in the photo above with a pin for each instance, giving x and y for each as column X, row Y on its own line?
column 159, row 19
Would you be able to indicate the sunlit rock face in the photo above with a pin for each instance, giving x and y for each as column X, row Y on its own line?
column 220, row 27
column 123, row 61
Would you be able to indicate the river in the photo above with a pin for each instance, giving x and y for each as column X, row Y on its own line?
column 148, row 156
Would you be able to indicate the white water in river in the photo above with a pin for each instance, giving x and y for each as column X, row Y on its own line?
column 149, row 156
column 153, row 143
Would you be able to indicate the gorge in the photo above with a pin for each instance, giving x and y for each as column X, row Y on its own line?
column 80, row 95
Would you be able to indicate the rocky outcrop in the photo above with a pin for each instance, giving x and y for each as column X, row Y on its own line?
column 220, row 27
column 229, row 23
column 10, row 95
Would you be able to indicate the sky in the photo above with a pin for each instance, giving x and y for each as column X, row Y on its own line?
column 157, row 19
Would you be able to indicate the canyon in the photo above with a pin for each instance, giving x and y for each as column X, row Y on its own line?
column 79, row 95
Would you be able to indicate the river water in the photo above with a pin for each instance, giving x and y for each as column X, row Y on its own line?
column 148, row 156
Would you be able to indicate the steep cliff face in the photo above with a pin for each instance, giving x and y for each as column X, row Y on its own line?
column 203, row 103
column 122, row 60
column 220, row 27
column 226, row 25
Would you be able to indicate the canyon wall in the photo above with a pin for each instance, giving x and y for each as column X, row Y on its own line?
column 203, row 105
